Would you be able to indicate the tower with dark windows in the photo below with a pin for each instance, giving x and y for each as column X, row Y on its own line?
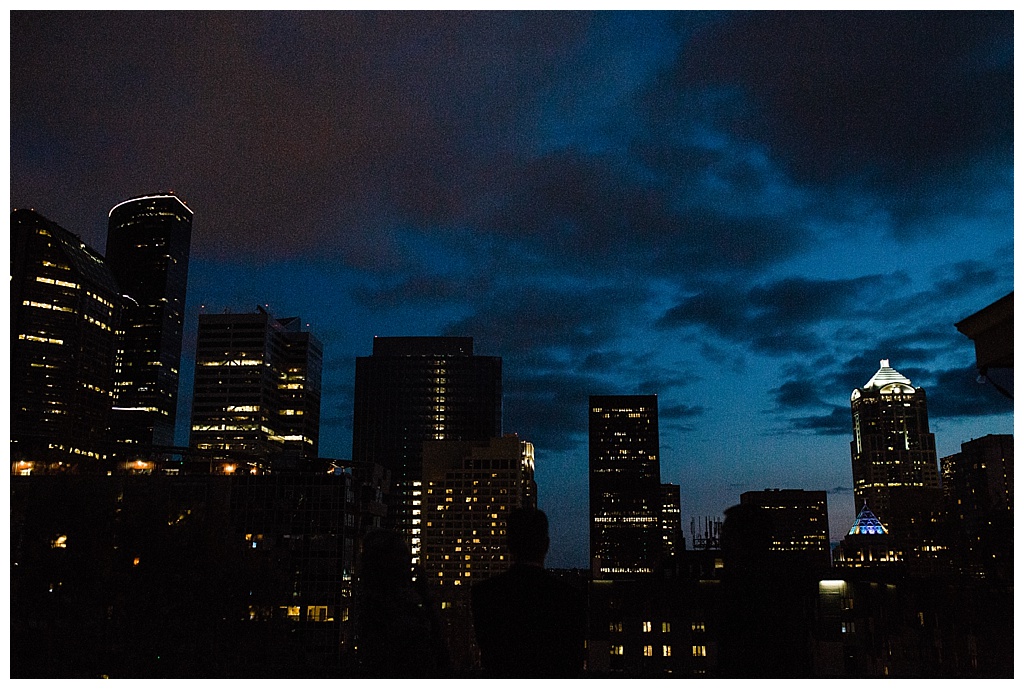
column 795, row 522
column 626, row 494
column 895, row 468
column 256, row 397
column 148, row 241
column 64, row 318
column 417, row 389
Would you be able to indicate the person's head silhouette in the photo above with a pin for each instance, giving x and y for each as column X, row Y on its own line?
column 528, row 536
column 386, row 561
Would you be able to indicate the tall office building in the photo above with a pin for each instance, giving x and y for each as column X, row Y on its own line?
column 895, row 469
column 625, row 486
column 417, row 389
column 64, row 316
column 794, row 521
column 672, row 520
column 977, row 485
column 148, row 240
column 257, row 381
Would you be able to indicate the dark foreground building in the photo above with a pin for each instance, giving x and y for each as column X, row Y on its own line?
column 156, row 575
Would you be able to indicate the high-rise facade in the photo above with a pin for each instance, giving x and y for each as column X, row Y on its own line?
column 977, row 485
column 795, row 522
column 64, row 318
column 895, row 468
column 418, row 389
column 625, row 486
column 148, row 242
column 257, row 387
column 893, row 451
column 672, row 520
column 469, row 489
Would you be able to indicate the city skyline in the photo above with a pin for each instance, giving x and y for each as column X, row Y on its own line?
column 739, row 212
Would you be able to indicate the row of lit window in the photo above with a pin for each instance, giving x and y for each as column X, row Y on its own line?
column 666, row 650
column 61, row 283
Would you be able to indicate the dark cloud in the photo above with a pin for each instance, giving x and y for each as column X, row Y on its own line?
column 531, row 318
column 958, row 393
column 549, row 409
column 835, row 422
column 680, row 411
column 841, row 93
column 777, row 318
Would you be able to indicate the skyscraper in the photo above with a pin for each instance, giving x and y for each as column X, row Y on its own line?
column 148, row 240
column 977, row 485
column 469, row 489
column 795, row 522
column 625, row 486
column 64, row 316
column 257, row 381
column 415, row 389
column 895, row 469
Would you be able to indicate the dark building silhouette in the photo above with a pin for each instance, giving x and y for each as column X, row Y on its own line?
column 65, row 311
column 977, row 484
column 895, row 468
column 625, row 486
column 417, row 389
column 148, row 241
column 796, row 522
column 183, row 574
column 256, row 398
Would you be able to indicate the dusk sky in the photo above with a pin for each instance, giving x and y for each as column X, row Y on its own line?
column 739, row 212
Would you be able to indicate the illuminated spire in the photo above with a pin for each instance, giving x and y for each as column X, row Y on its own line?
column 867, row 524
column 886, row 375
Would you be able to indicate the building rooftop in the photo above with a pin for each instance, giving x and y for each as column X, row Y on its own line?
column 886, row 375
column 867, row 524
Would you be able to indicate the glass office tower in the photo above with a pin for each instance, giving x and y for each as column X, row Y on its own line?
column 148, row 241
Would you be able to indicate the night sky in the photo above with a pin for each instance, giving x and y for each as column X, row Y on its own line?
column 742, row 213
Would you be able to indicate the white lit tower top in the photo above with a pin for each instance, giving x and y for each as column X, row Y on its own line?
column 892, row 451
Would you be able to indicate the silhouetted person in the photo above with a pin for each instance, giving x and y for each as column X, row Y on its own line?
column 398, row 632
column 767, row 602
column 528, row 622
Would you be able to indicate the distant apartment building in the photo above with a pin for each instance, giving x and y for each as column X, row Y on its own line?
column 469, row 489
column 65, row 310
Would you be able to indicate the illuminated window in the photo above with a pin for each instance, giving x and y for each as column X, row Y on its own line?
column 615, row 626
column 666, row 651
column 666, row 627
column 292, row 612
column 698, row 651
column 615, row 650
column 647, row 626
column 649, row 651
column 697, row 626
column 316, row 613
